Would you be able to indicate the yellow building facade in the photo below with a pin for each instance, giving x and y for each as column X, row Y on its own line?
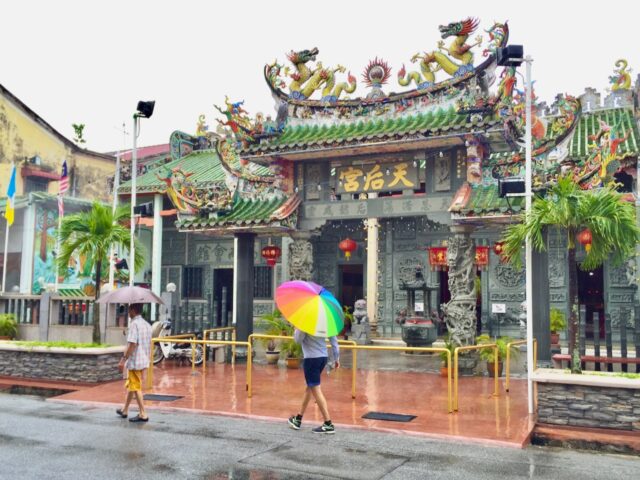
column 38, row 151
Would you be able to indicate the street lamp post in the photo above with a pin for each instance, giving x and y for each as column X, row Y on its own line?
column 513, row 56
column 528, row 253
column 145, row 110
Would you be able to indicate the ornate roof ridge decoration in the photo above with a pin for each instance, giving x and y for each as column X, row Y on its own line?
column 455, row 59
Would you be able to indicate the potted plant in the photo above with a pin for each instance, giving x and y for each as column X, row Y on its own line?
column 8, row 326
column 276, row 325
column 557, row 324
column 487, row 354
column 444, row 370
column 292, row 353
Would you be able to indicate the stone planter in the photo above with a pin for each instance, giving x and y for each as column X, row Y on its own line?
column 85, row 365
column 272, row 357
column 596, row 401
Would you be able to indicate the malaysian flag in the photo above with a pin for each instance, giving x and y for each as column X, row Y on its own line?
column 63, row 186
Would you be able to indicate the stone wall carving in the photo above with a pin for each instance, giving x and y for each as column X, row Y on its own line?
column 622, row 316
column 325, row 270
column 460, row 311
column 507, row 276
column 442, row 173
column 557, row 270
column 405, row 229
column 313, row 178
column 300, row 260
column 623, row 275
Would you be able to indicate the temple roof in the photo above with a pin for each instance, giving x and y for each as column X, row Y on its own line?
column 246, row 214
column 204, row 165
column 590, row 125
column 304, row 136
column 483, row 200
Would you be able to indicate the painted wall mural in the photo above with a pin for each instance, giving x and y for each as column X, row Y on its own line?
column 79, row 273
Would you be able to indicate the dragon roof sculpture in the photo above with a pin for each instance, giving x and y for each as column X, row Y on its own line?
column 454, row 60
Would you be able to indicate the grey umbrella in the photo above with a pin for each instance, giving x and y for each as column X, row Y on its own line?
column 131, row 295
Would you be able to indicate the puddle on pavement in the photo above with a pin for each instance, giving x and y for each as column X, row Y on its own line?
column 34, row 391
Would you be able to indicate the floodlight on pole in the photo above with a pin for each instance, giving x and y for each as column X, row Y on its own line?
column 144, row 110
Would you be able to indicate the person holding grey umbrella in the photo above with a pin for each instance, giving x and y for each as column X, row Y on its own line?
column 135, row 361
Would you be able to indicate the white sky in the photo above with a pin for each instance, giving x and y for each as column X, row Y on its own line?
column 90, row 62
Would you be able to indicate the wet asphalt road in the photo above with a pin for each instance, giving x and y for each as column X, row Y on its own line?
column 42, row 440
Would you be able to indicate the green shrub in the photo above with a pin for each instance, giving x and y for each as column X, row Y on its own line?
column 557, row 321
column 8, row 325
column 487, row 354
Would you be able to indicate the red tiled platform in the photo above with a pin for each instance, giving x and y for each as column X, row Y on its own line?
column 277, row 393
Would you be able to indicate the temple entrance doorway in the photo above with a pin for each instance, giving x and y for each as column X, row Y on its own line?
column 591, row 295
column 351, row 284
column 223, row 295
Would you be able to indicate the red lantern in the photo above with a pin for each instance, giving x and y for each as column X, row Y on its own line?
column 498, row 248
column 482, row 257
column 271, row 253
column 585, row 238
column 347, row 246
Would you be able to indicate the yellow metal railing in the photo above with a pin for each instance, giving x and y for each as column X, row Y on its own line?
column 354, row 347
column 223, row 330
column 344, row 343
column 456, row 373
column 194, row 342
column 508, row 365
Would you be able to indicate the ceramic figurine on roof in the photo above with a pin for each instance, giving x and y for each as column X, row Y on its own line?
column 621, row 79
column 458, row 50
column 305, row 81
column 375, row 75
column 603, row 160
column 423, row 79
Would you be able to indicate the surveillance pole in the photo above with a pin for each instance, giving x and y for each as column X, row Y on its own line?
column 528, row 253
column 134, row 173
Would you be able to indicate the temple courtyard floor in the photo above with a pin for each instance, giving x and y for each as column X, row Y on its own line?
column 399, row 384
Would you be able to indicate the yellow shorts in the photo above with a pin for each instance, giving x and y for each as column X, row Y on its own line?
column 134, row 381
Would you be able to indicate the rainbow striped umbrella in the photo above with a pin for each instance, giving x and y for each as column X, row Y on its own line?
column 310, row 308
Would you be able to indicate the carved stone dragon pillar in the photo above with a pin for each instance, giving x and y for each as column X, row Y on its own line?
column 300, row 257
column 460, row 311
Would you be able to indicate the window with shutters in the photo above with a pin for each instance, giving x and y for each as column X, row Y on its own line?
column 263, row 283
column 192, row 282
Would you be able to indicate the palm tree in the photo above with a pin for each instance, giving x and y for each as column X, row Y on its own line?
column 566, row 207
column 91, row 234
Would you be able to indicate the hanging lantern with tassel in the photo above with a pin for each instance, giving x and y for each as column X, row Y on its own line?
column 347, row 246
column 585, row 238
column 271, row 253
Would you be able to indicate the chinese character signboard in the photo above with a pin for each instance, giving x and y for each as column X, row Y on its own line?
column 377, row 178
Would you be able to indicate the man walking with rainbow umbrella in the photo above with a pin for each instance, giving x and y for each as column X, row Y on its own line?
column 316, row 315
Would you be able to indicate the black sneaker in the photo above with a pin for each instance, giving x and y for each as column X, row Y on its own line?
column 325, row 428
column 295, row 422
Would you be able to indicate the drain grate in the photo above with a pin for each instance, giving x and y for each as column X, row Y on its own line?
column 389, row 417
column 155, row 397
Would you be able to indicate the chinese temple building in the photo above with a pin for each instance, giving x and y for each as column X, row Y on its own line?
column 356, row 187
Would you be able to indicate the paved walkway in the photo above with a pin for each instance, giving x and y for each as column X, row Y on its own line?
column 45, row 440
column 277, row 392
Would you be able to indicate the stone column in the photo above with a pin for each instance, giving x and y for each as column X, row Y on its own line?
column 243, row 278
column 300, row 257
column 372, row 272
column 541, row 302
column 156, row 251
column 460, row 311
column 285, row 259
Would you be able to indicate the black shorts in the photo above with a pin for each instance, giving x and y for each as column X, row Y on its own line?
column 312, row 369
